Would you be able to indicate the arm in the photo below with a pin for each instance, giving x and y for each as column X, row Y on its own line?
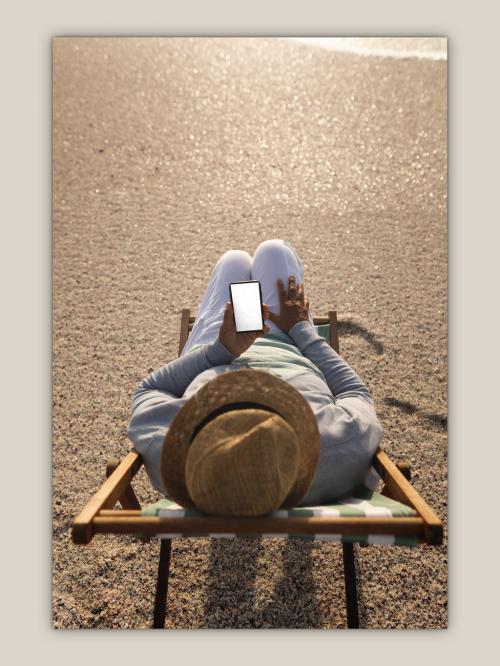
column 352, row 431
column 175, row 377
column 293, row 319
column 168, row 385
column 342, row 381
column 349, row 392
column 158, row 398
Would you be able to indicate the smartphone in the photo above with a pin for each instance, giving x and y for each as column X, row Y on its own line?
column 246, row 298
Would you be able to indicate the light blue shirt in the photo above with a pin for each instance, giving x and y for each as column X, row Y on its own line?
column 349, row 429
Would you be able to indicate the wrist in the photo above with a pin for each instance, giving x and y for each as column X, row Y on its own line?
column 218, row 353
column 303, row 333
column 297, row 326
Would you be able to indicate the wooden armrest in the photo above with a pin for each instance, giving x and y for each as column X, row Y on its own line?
column 106, row 497
column 402, row 491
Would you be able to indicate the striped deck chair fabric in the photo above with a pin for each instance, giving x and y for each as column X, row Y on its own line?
column 363, row 502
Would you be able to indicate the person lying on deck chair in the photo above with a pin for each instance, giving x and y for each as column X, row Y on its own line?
column 248, row 423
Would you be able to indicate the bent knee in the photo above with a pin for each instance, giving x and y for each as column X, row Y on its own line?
column 236, row 255
column 270, row 244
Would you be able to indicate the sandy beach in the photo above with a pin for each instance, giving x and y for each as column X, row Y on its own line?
column 167, row 153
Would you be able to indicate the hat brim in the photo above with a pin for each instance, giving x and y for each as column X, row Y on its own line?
column 243, row 384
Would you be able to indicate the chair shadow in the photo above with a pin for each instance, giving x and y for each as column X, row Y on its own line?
column 435, row 420
column 231, row 576
column 349, row 327
column 293, row 604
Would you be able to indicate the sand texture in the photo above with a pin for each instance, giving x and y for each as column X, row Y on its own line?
column 169, row 152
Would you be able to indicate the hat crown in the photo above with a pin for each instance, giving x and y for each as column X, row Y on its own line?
column 243, row 462
column 241, row 385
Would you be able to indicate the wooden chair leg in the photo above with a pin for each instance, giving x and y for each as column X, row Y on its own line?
column 351, row 594
column 160, row 611
column 128, row 500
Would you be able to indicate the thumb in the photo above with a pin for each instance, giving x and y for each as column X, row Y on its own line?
column 272, row 317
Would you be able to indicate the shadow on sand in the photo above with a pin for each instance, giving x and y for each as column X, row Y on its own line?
column 435, row 420
column 349, row 327
column 232, row 571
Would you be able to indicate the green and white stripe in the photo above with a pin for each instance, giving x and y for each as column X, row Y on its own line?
column 364, row 502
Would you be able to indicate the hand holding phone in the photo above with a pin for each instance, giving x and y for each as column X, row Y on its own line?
column 244, row 317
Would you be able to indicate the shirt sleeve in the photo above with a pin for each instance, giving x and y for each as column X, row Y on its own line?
column 175, row 377
column 342, row 381
column 158, row 398
column 354, row 431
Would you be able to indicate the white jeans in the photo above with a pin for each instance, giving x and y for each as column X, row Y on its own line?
column 272, row 259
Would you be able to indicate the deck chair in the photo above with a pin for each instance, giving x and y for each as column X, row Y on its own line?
column 397, row 515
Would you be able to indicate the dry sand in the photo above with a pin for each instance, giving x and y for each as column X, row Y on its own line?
column 168, row 153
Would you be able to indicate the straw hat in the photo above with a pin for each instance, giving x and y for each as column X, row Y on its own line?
column 245, row 444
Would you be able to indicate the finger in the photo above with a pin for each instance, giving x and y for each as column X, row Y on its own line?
column 228, row 312
column 272, row 317
column 300, row 292
column 292, row 288
column 281, row 291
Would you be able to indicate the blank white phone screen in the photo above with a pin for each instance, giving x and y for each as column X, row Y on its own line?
column 247, row 306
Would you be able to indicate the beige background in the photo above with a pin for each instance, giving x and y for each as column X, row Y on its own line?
column 25, row 71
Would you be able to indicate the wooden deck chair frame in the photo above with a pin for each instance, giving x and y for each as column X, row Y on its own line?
column 100, row 517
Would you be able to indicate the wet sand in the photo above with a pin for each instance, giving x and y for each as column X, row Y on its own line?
column 168, row 153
